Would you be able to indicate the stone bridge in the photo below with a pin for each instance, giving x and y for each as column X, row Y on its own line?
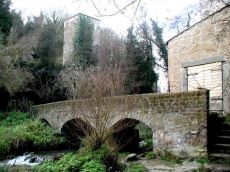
column 178, row 120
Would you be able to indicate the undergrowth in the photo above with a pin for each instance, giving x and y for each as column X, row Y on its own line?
column 18, row 131
column 82, row 161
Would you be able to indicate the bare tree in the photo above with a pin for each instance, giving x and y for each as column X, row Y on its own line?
column 110, row 48
column 13, row 78
column 97, row 85
column 44, row 86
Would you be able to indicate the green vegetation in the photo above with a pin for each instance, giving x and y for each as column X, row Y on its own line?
column 227, row 119
column 145, row 134
column 202, row 160
column 150, row 155
column 3, row 169
column 142, row 77
column 83, row 42
column 169, row 157
column 13, row 119
column 136, row 168
column 5, row 20
column 83, row 161
column 73, row 162
column 17, row 131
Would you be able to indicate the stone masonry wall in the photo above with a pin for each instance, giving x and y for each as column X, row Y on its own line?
column 69, row 31
column 198, row 42
column 178, row 120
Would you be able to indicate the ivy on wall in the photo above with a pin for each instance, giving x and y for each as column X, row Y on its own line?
column 83, row 42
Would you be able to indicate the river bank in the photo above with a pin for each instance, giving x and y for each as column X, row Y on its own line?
column 21, row 133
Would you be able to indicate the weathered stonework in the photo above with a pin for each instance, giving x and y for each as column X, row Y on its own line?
column 178, row 120
column 199, row 44
column 69, row 33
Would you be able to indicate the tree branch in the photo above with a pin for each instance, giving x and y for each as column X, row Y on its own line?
column 99, row 12
column 136, row 10
column 117, row 12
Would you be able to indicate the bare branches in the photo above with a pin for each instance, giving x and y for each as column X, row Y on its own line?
column 119, row 10
column 136, row 10
column 96, row 84
column 13, row 78
column 99, row 12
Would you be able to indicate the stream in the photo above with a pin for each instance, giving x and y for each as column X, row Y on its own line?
column 25, row 162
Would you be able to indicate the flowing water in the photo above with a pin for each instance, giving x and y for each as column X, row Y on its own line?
column 25, row 162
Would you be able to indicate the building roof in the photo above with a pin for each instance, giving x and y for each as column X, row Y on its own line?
column 83, row 15
column 227, row 6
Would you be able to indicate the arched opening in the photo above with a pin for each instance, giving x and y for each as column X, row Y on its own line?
column 131, row 135
column 44, row 121
column 74, row 130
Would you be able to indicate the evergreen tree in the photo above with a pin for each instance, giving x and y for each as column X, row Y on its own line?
column 160, row 44
column 140, row 76
column 5, row 19
column 50, row 43
column 83, row 42
column 17, row 27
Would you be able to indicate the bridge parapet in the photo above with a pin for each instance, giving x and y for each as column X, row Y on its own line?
column 178, row 120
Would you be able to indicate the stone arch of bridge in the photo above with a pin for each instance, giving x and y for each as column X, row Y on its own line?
column 75, row 129
column 44, row 121
column 134, row 116
column 126, row 135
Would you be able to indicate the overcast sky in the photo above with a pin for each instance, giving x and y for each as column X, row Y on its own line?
column 159, row 10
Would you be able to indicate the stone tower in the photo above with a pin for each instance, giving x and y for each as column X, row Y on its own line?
column 69, row 32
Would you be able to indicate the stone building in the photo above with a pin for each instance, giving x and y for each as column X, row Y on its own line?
column 69, row 32
column 199, row 58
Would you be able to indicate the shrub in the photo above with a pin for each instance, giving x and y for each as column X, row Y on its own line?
column 93, row 166
column 68, row 162
column 18, row 131
column 104, row 154
column 14, row 118
column 5, row 143
column 84, row 161
column 202, row 160
column 34, row 131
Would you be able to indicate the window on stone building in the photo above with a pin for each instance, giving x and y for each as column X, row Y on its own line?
column 207, row 76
